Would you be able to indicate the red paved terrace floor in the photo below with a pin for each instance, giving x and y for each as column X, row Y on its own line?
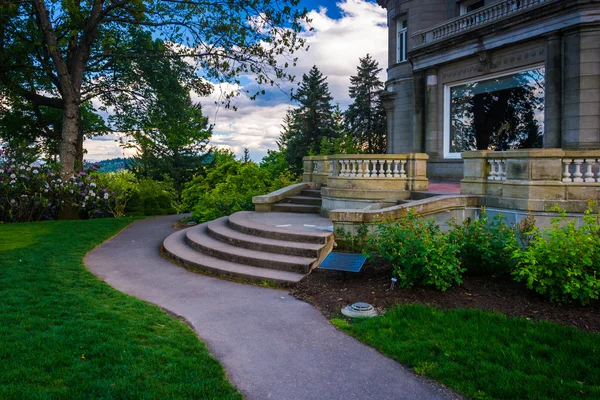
column 444, row 187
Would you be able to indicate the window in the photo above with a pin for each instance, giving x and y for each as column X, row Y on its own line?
column 470, row 5
column 500, row 113
column 401, row 40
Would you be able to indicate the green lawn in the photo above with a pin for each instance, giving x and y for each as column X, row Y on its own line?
column 485, row 355
column 66, row 334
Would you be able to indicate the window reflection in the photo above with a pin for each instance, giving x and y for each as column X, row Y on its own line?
column 498, row 114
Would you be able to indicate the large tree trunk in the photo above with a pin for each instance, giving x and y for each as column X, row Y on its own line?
column 70, row 139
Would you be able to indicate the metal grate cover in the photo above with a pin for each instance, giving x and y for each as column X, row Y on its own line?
column 343, row 262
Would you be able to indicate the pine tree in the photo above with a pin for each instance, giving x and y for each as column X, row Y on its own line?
column 306, row 126
column 365, row 118
column 246, row 158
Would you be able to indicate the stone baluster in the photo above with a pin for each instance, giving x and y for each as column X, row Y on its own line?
column 566, row 173
column 502, row 169
column 380, row 170
column 330, row 168
column 589, row 175
column 402, row 168
column 577, row 175
column 368, row 168
column 395, row 172
column 343, row 169
column 352, row 164
column 492, row 176
column 388, row 171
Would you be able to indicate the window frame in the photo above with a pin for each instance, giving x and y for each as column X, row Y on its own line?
column 448, row 101
column 464, row 4
column 401, row 37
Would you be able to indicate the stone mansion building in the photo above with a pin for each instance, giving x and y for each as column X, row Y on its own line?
column 491, row 75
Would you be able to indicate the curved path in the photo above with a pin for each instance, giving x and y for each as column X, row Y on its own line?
column 271, row 345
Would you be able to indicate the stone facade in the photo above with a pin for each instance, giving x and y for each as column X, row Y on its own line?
column 446, row 45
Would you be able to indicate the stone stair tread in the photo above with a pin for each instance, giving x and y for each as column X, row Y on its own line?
column 176, row 247
column 199, row 235
column 240, row 222
column 294, row 207
column 221, row 227
column 311, row 192
column 310, row 198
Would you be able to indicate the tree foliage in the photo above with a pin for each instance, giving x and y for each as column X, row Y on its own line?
column 306, row 126
column 365, row 118
column 64, row 54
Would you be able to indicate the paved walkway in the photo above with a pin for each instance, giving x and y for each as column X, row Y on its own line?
column 272, row 345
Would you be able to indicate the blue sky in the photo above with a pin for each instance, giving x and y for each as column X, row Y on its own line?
column 346, row 31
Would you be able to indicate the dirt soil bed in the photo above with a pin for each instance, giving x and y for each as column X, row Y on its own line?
column 329, row 291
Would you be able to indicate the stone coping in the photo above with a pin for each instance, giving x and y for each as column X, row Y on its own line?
column 406, row 156
column 531, row 153
column 423, row 207
column 282, row 193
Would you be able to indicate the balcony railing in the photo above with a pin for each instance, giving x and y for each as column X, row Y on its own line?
column 481, row 16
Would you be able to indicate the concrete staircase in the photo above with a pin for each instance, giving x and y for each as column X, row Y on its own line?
column 308, row 201
column 240, row 247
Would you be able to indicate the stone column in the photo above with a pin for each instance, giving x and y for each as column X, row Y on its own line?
column 431, row 113
column 553, row 94
column 387, row 99
column 581, row 97
column 419, row 113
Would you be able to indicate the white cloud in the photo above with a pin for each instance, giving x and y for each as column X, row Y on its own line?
column 335, row 48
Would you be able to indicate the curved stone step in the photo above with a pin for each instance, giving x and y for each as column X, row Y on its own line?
column 220, row 230
column 308, row 200
column 241, row 223
column 296, row 208
column 198, row 238
column 176, row 248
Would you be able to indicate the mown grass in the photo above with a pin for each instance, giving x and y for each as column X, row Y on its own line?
column 485, row 355
column 66, row 334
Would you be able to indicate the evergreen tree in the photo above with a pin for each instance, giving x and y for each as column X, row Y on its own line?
column 246, row 158
column 365, row 118
column 307, row 126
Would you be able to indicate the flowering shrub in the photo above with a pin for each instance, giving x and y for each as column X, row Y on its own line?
column 35, row 191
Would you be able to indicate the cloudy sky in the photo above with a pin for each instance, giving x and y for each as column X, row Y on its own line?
column 343, row 32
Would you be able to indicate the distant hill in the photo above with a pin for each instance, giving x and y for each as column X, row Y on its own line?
column 114, row 165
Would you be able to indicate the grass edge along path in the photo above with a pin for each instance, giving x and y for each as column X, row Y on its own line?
column 485, row 355
column 67, row 334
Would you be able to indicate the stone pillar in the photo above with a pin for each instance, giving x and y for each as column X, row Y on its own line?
column 431, row 113
column 553, row 94
column 581, row 97
column 419, row 113
column 387, row 99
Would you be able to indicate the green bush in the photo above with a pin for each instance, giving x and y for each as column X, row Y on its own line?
column 482, row 244
column 356, row 243
column 562, row 262
column 138, row 197
column 152, row 198
column 418, row 251
column 229, row 188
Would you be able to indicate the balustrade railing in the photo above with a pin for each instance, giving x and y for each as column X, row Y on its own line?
column 481, row 16
column 352, row 168
column 497, row 170
column 581, row 170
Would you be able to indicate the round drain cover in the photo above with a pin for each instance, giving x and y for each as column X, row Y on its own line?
column 359, row 310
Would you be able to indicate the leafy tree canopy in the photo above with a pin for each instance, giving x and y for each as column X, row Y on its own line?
column 64, row 54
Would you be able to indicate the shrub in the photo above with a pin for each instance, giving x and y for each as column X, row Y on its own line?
column 418, row 251
column 228, row 188
column 152, row 197
column 132, row 196
column 482, row 244
column 35, row 191
column 562, row 262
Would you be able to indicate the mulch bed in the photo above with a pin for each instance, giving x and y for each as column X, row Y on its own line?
column 329, row 291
